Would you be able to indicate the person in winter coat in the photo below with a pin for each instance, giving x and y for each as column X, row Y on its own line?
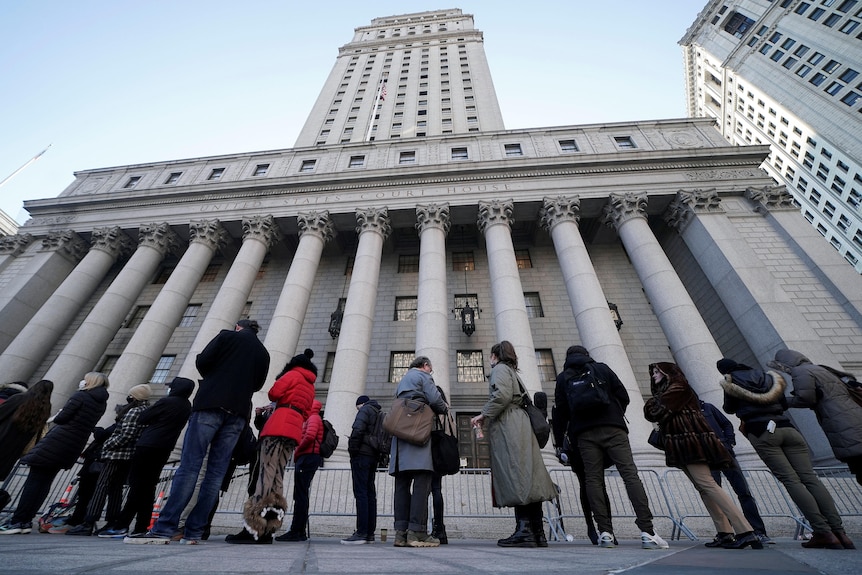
column 363, row 466
column 162, row 424
column 691, row 445
column 411, row 464
column 519, row 476
column 757, row 398
column 116, row 457
column 307, row 460
column 22, row 418
column 234, row 365
column 7, row 390
column 601, row 435
column 59, row 449
column 821, row 390
column 723, row 429
column 293, row 394
column 437, row 500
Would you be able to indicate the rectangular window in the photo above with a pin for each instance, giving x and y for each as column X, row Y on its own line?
column 137, row 316
column 738, row 24
column 399, row 364
column 463, row 261
column 831, row 20
column 405, row 308
column 803, row 6
column 471, row 368
column 211, row 272
column 408, row 263
column 624, row 142
column 534, row 304
column 163, row 369
column 307, row 165
column 834, row 88
column 407, row 157
column 356, row 162
column 513, row 150
column 327, row 367
column 545, row 363
column 173, row 178
column 216, row 174
column 261, row 170
column 459, row 154
column 190, row 315
column 132, row 182
column 522, row 258
column 816, row 14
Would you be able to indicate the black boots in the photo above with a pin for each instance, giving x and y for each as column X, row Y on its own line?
column 539, row 532
column 439, row 532
column 522, row 537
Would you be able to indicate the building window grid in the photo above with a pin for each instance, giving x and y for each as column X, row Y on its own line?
column 545, row 363
column 522, row 258
column 534, row 304
column 210, row 273
column 163, row 369
column 189, row 315
column 470, row 366
column 327, row 367
column 399, row 364
column 461, row 301
column 137, row 317
column 408, row 263
column 406, row 308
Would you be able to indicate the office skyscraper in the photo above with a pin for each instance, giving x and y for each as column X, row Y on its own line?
column 787, row 73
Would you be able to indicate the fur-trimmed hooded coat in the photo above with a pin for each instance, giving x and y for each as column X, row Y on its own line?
column 756, row 398
column 688, row 437
column 816, row 388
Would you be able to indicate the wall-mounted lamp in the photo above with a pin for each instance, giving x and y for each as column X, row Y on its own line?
column 615, row 315
column 335, row 322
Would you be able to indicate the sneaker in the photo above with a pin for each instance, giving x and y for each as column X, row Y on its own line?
column 292, row 537
column 765, row 539
column 84, row 529
column 148, row 538
column 652, row 541
column 185, row 541
column 177, row 536
column 59, row 529
column 112, row 533
column 370, row 539
column 400, row 539
column 356, row 539
column 607, row 540
column 420, row 539
column 15, row 528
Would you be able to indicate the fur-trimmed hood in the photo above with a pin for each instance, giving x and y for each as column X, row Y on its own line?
column 765, row 391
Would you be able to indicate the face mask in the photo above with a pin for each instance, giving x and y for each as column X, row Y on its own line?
column 81, row 384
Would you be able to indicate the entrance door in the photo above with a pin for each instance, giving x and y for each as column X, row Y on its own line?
column 474, row 452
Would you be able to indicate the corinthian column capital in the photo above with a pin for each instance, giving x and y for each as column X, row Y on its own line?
column 771, row 198
column 317, row 224
column 15, row 245
column 208, row 232
column 495, row 212
column 688, row 203
column 432, row 216
column 66, row 242
column 623, row 207
column 374, row 220
column 261, row 228
column 559, row 209
column 160, row 237
column 113, row 241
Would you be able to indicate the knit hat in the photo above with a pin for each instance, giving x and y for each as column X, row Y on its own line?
column 249, row 324
column 301, row 360
column 362, row 399
column 141, row 392
column 726, row 365
column 577, row 349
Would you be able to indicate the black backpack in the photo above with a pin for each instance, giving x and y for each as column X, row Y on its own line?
column 330, row 440
column 585, row 392
column 380, row 440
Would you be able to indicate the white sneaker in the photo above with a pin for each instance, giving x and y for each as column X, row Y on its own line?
column 652, row 541
column 606, row 540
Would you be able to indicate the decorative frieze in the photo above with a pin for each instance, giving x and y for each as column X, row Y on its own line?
column 432, row 216
column 559, row 209
column 495, row 212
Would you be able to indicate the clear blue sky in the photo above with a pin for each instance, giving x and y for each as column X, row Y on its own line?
column 117, row 82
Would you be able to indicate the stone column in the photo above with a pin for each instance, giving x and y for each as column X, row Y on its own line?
column 432, row 311
column 763, row 312
column 596, row 329
column 259, row 234
column 350, row 368
column 282, row 334
column 507, row 294
column 22, row 297
column 36, row 339
column 144, row 349
column 94, row 335
column 11, row 247
column 777, row 206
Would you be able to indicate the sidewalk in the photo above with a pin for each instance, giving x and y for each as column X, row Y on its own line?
column 58, row 554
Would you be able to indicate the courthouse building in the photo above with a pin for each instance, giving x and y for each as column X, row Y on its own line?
column 408, row 221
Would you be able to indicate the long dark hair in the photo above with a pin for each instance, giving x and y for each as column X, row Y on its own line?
column 505, row 352
column 34, row 412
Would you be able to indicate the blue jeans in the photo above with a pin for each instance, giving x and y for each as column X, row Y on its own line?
column 215, row 430
column 363, row 468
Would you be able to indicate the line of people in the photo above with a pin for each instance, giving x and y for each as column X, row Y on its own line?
column 589, row 418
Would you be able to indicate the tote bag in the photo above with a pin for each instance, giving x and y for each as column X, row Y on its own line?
column 410, row 420
column 444, row 448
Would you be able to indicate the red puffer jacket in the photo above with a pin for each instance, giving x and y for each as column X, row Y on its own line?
column 293, row 393
column 312, row 432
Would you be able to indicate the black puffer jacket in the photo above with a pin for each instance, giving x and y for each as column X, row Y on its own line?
column 756, row 398
column 363, row 426
column 63, row 444
column 613, row 415
column 164, row 421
